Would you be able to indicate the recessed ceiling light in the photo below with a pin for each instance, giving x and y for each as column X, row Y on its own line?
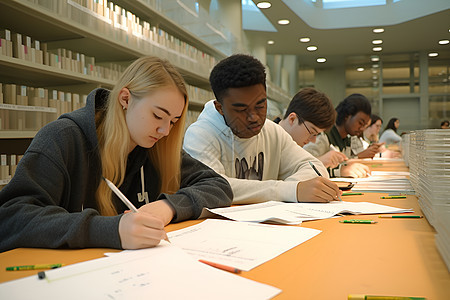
column 321, row 60
column 374, row 71
column 374, row 58
column 374, row 77
column 304, row 39
column 378, row 30
column 375, row 66
column 311, row 48
column 360, row 69
column 444, row 42
column 270, row 42
column 264, row 4
column 433, row 54
column 377, row 49
column 283, row 22
column 377, row 42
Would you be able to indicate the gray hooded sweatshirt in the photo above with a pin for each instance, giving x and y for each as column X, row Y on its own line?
column 50, row 201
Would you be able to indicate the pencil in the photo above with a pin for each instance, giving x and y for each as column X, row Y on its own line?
column 318, row 173
column 401, row 217
column 393, row 197
column 125, row 200
column 34, row 267
column 222, row 267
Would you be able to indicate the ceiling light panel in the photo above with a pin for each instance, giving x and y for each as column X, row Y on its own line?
column 264, row 4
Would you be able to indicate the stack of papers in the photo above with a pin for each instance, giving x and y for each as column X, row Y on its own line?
column 429, row 161
column 295, row 213
column 381, row 182
column 163, row 272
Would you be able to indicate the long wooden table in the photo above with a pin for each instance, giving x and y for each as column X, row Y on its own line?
column 396, row 257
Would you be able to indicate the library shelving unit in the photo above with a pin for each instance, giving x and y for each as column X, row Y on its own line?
column 62, row 49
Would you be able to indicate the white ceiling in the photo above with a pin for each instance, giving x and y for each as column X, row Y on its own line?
column 353, row 46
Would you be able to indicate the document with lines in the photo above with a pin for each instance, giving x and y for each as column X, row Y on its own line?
column 163, row 272
column 241, row 245
column 295, row 213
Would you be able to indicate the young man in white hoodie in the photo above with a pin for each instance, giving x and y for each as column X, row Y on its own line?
column 257, row 157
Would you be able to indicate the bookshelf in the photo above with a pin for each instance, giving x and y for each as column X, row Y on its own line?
column 66, row 48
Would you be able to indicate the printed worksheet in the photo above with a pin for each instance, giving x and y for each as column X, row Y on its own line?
column 241, row 245
column 163, row 272
column 295, row 213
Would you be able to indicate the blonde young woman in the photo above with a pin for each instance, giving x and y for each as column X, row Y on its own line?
column 57, row 197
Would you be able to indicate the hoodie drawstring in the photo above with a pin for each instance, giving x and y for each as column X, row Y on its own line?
column 144, row 195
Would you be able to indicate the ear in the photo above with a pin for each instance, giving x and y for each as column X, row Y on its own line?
column 292, row 118
column 124, row 97
column 218, row 107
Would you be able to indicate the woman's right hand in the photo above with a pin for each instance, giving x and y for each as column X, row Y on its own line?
column 140, row 230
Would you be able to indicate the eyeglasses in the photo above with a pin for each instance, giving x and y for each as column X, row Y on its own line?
column 311, row 135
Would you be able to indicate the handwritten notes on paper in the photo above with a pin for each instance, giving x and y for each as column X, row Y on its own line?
column 163, row 272
column 241, row 245
column 295, row 213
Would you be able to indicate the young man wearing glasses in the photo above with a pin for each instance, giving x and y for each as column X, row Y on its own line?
column 353, row 116
column 257, row 157
column 309, row 113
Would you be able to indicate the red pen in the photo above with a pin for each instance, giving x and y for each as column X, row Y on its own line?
column 222, row 267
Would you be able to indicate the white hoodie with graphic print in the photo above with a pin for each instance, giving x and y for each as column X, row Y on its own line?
column 265, row 167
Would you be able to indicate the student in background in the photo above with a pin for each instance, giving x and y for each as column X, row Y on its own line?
column 389, row 135
column 309, row 113
column 353, row 116
column 371, row 133
column 366, row 145
column 258, row 158
column 57, row 197
column 445, row 124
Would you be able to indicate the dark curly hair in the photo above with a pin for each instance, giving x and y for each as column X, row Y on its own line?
column 235, row 71
column 351, row 105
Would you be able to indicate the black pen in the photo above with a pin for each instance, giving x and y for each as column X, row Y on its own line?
column 318, row 173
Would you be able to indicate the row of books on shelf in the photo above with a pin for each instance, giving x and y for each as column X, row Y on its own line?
column 29, row 108
column 20, row 46
column 8, row 164
column 116, row 23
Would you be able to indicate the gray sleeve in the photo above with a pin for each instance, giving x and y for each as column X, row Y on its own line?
column 200, row 187
column 39, row 209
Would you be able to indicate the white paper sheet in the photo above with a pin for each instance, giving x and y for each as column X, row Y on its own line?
column 295, row 213
column 241, row 245
column 163, row 272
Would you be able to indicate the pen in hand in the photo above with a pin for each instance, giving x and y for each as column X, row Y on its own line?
column 318, row 173
column 126, row 201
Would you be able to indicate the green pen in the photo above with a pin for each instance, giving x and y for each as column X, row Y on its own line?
column 401, row 217
column 371, row 297
column 351, row 194
column 393, row 197
column 355, row 221
column 34, row 267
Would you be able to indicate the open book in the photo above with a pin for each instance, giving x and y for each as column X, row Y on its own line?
column 295, row 213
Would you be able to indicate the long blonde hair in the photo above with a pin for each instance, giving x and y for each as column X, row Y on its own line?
column 143, row 76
